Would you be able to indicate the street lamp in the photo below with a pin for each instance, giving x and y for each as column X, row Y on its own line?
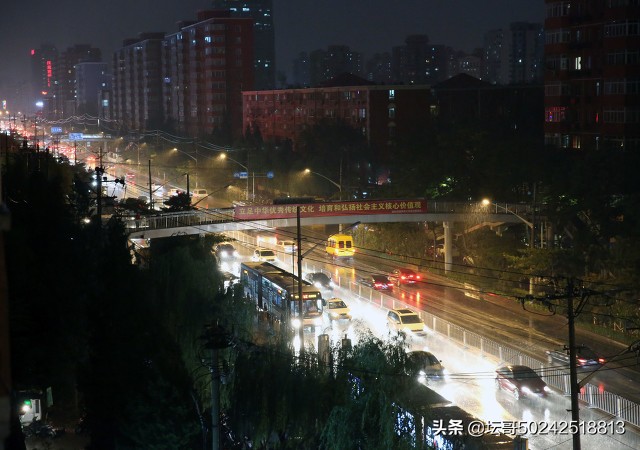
column 195, row 158
column 225, row 156
column 486, row 202
column 338, row 185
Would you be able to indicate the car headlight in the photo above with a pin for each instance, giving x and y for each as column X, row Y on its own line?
column 526, row 390
column 236, row 254
column 547, row 389
column 223, row 254
column 296, row 323
column 318, row 284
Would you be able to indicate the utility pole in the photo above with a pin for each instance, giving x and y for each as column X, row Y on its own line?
column 216, row 339
column 150, row 187
column 301, row 330
column 573, row 370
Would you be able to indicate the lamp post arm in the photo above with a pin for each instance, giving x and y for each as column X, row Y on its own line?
column 525, row 221
column 328, row 179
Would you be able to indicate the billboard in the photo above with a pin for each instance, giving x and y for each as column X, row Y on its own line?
column 364, row 207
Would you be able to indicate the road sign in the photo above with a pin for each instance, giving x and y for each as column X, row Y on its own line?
column 269, row 174
column 56, row 130
column 75, row 136
column 241, row 175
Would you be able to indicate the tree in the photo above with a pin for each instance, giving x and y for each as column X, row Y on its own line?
column 178, row 202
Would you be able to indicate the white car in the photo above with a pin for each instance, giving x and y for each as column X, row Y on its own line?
column 337, row 309
column 264, row 254
column 405, row 320
column 288, row 246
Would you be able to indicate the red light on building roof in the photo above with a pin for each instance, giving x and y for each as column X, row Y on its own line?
column 33, row 52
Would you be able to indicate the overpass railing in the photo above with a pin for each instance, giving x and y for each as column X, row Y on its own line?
column 223, row 215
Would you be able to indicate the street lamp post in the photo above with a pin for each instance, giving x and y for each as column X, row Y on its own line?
column 338, row 185
column 531, row 236
column 176, row 149
column 225, row 156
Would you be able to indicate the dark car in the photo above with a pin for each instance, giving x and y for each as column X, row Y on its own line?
column 225, row 252
column 585, row 357
column 320, row 280
column 521, row 381
column 404, row 276
column 424, row 364
column 377, row 282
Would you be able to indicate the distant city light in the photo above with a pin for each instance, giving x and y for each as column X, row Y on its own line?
column 40, row 104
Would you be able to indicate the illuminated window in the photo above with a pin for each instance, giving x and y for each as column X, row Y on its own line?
column 577, row 63
column 392, row 94
column 555, row 114
column 392, row 112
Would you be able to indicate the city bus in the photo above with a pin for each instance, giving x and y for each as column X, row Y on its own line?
column 275, row 291
column 340, row 246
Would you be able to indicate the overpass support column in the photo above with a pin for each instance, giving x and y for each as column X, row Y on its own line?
column 448, row 258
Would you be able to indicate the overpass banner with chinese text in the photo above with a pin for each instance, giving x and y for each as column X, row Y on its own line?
column 262, row 212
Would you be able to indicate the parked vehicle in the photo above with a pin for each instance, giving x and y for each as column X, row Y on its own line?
column 40, row 429
column 521, row 381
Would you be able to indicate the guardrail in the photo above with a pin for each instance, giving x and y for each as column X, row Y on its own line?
column 590, row 394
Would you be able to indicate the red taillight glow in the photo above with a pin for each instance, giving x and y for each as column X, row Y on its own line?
column 417, row 277
column 582, row 360
column 403, row 277
column 601, row 360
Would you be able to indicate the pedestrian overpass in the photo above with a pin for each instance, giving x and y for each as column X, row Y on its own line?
column 202, row 221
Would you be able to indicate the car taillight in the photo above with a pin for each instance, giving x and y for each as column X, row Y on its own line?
column 582, row 360
column 377, row 284
column 417, row 277
column 601, row 360
column 403, row 277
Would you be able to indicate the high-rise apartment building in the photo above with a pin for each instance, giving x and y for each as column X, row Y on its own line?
column 44, row 60
column 418, row 62
column 592, row 74
column 261, row 11
column 137, row 83
column 337, row 59
column 206, row 66
column 514, row 55
column 92, row 79
column 64, row 92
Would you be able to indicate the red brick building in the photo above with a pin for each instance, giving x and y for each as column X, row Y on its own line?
column 382, row 114
column 206, row 66
column 592, row 74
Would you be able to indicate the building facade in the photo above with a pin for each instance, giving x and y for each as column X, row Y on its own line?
column 381, row 113
column 514, row 55
column 44, row 61
column 592, row 74
column 206, row 66
column 92, row 79
column 137, row 83
column 64, row 92
column 261, row 11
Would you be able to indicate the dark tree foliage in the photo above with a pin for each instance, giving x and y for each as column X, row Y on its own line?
column 179, row 202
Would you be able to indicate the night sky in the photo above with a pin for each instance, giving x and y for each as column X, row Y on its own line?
column 367, row 26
